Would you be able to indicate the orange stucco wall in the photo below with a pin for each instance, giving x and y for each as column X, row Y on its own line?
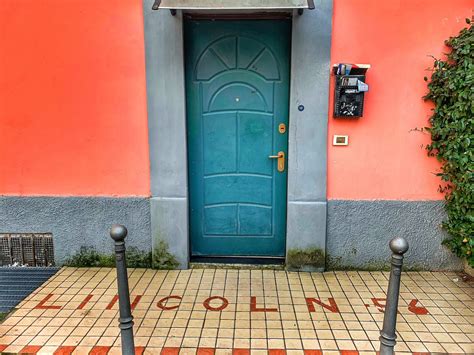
column 73, row 102
column 385, row 158
column 72, row 98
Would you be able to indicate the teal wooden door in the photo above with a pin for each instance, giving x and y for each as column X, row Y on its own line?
column 237, row 91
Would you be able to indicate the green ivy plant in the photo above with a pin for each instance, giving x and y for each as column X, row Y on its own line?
column 162, row 258
column 89, row 257
column 451, row 89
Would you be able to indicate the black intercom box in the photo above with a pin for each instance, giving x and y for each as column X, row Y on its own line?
column 348, row 99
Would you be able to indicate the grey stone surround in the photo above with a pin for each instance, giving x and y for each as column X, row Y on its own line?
column 359, row 232
column 311, row 46
column 77, row 221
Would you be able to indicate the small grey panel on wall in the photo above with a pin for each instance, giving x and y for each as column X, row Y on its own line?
column 359, row 233
column 309, row 100
column 166, row 101
column 169, row 220
column 77, row 221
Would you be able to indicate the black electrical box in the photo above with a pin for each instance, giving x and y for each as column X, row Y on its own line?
column 349, row 93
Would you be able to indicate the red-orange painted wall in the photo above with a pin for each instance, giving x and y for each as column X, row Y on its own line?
column 385, row 159
column 73, row 102
column 72, row 98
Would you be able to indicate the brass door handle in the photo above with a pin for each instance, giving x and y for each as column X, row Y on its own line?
column 281, row 160
column 275, row 156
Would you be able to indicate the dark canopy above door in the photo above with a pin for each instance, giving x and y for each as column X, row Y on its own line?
column 261, row 5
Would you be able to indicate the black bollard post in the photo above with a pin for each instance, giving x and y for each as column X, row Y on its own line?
column 118, row 234
column 399, row 246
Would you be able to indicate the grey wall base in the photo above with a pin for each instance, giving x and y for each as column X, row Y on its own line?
column 78, row 221
column 169, row 221
column 359, row 232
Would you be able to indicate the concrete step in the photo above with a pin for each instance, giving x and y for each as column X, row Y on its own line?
column 236, row 266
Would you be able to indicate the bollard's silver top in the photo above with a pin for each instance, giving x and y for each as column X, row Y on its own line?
column 118, row 232
column 399, row 245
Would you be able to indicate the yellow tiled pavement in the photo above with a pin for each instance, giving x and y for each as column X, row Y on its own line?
column 244, row 309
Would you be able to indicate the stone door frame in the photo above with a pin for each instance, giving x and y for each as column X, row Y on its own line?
column 307, row 138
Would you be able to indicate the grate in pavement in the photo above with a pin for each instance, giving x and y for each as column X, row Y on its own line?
column 18, row 282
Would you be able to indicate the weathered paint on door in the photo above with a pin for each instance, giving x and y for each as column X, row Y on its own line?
column 237, row 87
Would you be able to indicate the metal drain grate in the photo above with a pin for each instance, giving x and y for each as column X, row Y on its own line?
column 26, row 249
column 18, row 282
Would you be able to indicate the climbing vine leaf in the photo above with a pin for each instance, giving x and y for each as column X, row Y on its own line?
column 451, row 89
